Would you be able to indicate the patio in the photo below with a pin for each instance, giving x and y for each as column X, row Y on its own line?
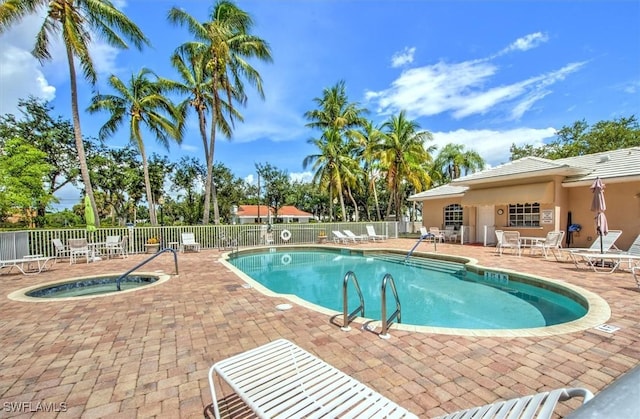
column 147, row 353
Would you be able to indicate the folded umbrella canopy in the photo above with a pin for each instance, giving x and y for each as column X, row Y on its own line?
column 89, row 216
column 598, row 205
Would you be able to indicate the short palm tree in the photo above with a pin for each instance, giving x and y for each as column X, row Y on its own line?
column 454, row 161
column 75, row 21
column 402, row 157
column 225, row 44
column 141, row 103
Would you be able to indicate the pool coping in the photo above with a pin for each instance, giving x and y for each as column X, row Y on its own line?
column 598, row 310
column 20, row 295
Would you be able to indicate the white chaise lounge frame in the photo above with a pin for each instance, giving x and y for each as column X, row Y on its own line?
column 282, row 380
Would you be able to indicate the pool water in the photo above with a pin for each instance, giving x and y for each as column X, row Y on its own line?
column 431, row 292
column 93, row 286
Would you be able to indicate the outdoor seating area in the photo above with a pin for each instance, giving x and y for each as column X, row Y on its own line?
column 166, row 356
column 31, row 264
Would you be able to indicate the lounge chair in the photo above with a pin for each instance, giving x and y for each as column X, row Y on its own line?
column 608, row 241
column 635, row 271
column 355, row 237
column 371, row 231
column 511, row 240
column 189, row 242
column 338, row 237
column 33, row 264
column 78, row 247
column 282, row 380
column 614, row 258
column 61, row 249
column 539, row 405
column 551, row 243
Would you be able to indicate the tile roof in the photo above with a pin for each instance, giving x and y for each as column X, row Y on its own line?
column 439, row 192
column 285, row 211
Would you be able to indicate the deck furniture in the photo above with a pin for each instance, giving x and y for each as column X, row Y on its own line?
column 355, row 237
column 189, row 242
column 539, row 406
column 282, row 380
column 340, row 237
column 79, row 248
column 371, row 231
column 31, row 264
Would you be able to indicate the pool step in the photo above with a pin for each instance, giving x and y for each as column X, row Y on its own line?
column 454, row 268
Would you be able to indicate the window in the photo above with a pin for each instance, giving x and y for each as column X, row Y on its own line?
column 453, row 215
column 524, row 215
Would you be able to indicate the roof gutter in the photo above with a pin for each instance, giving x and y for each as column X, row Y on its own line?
column 579, row 183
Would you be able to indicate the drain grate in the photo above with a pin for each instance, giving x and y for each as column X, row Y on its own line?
column 607, row 328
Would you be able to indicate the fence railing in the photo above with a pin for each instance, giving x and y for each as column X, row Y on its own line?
column 209, row 236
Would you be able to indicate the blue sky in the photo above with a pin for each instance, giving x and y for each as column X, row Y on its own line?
column 485, row 74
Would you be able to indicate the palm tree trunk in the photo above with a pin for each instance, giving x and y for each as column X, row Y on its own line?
column 356, row 214
column 147, row 184
column 207, row 183
column 77, row 132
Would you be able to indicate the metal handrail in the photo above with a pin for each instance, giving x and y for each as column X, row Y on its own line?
column 422, row 237
column 386, row 322
column 348, row 317
column 147, row 260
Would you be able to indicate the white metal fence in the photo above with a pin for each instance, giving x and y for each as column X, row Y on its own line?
column 209, row 237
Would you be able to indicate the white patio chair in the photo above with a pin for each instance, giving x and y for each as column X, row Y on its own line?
column 511, row 240
column 116, row 246
column 499, row 234
column 541, row 405
column 61, row 249
column 189, row 242
column 437, row 234
column 371, row 231
column 552, row 242
column 78, row 247
column 450, row 233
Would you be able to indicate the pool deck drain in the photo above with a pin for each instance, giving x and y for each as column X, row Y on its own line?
column 147, row 353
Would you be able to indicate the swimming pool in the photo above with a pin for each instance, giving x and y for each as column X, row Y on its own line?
column 432, row 293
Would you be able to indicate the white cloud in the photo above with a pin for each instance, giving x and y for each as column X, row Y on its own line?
column 467, row 88
column 304, row 177
column 527, row 42
column 493, row 145
column 404, row 57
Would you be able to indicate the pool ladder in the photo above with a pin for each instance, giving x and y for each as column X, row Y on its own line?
column 147, row 260
column 386, row 321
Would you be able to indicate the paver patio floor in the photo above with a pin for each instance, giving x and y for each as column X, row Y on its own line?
column 147, row 353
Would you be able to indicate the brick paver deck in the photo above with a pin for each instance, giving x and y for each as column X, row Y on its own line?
column 147, row 353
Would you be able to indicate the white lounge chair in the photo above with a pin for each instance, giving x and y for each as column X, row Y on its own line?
column 78, row 247
column 539, row 405
column 551, row 243
column 282, row 380
column 604, row 261
column 355, row 237
column 371, row 231
column 189, row 242
column 338, row 237
column 27, row 265
column 608, row 241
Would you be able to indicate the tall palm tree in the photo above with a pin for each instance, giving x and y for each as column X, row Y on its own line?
column 402, row 156
column 454, row 161
column 369, row 138
column 225, row 44
column 141, row 103
column 75, row 20
column 337, row 118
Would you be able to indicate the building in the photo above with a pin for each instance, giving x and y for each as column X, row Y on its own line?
column 262, row 214
column 534, row 195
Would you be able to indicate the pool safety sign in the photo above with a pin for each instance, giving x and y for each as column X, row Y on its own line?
column 546, row 217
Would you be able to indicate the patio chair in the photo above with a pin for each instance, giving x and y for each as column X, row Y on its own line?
column 551, row 243
column 189, row 242
column 511, row 240
column 78, row 247
column 266, row 236
column 608, row 241
column 338, row 237
column 371, row 231
column 437, row 234
column 355, row 237
column 635, row 271
column 539, row 405
column 116, row 246
column 499, row 234
column 450, row 233
column 61, row 249
column 280, row 379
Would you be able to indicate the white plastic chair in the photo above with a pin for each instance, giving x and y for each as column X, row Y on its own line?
column 189, row 242
column 511, row 240
column 371, row 231
column 355, row 237
column 61, row 249
column 78, row 247
column 552, row 242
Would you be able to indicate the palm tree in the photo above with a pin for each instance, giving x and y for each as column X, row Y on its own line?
column 454, row 161
column 402, row 156
column 75, row 20
column 337, row 118
column 369, row 138
column 141, row 102
column 224, row 43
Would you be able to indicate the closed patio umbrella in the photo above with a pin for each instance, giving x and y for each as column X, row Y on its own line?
column 89, row 216
column 598, row 205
